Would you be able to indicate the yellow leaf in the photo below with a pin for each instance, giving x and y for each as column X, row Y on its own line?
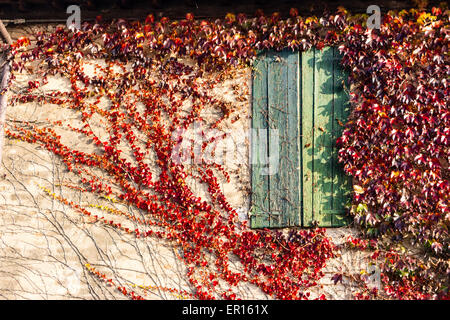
column 358, row 189
column 395, row 174
column 230, row 17
column 311, row 19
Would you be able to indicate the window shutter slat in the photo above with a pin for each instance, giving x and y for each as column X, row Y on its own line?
column 259, row 179
column 307, row 143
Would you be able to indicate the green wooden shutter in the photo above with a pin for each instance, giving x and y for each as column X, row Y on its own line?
column 297, row 103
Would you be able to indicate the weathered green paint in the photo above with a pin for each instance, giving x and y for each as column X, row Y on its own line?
column 301, row 96
column 290, row 164
column 322, row 146
column 277, row 101
column 275, row 107
column 307, row 147
column 259, row 152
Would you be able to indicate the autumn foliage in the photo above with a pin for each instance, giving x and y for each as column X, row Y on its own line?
column 395, row 144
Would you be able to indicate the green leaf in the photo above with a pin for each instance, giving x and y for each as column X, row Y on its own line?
column 362, row 207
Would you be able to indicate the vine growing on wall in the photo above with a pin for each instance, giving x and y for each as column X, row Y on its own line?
column 395, row 144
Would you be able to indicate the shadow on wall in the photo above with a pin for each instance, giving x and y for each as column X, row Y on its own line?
column 331, row 108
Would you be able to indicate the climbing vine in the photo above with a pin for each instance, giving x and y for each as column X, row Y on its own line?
column 395, row 144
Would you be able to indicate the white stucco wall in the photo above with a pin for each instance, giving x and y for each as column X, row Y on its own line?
column 45, row 244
